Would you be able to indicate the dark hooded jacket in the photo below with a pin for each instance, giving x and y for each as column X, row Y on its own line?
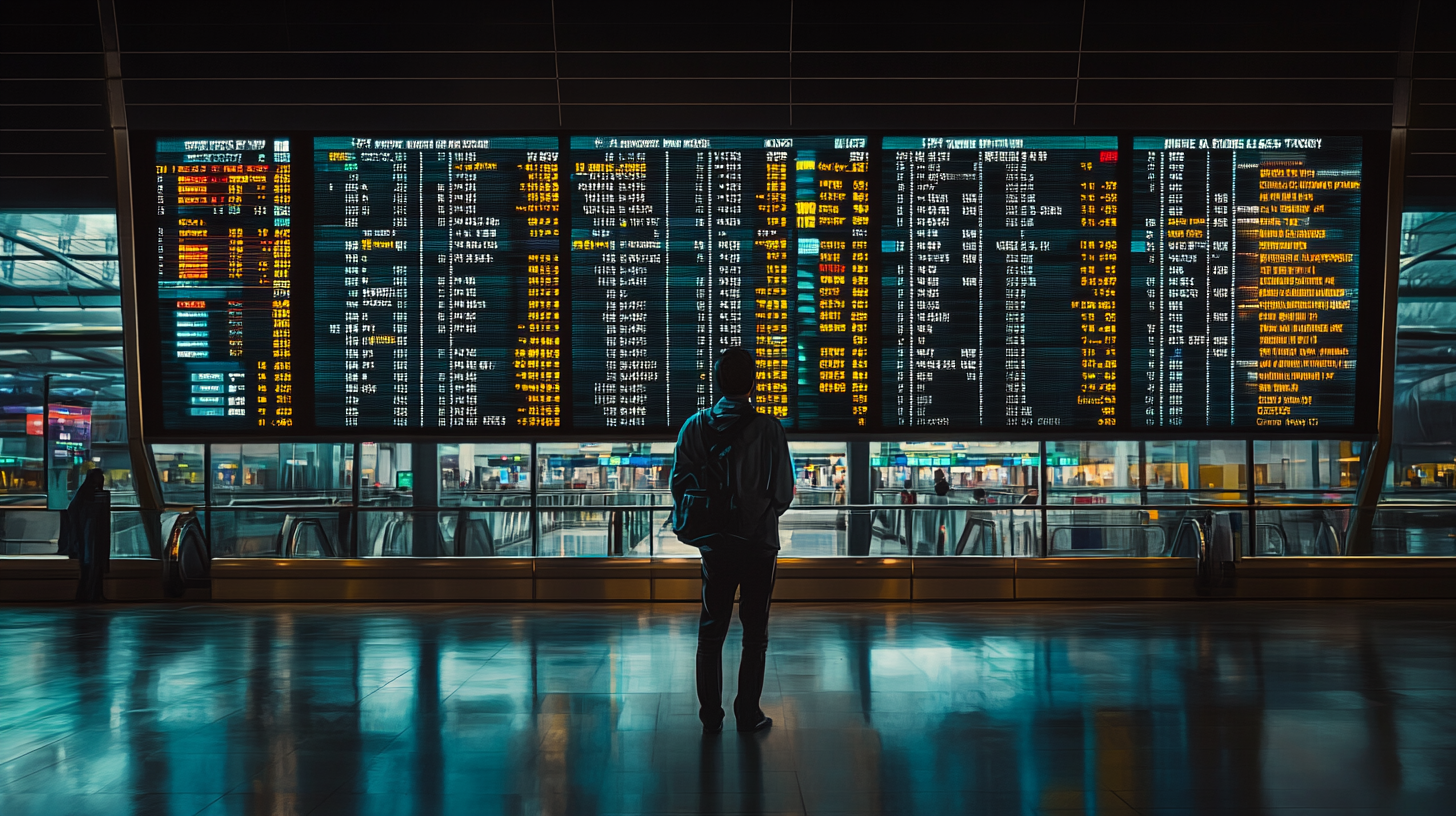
column 763, row 472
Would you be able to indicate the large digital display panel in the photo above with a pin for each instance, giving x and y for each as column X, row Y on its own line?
column 438, row 275
column 1000, row 271
column 682, row 246
column 1246, row 281
column 223, row 255
column 891, row 284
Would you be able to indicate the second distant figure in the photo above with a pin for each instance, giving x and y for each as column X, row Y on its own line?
column 732, row 477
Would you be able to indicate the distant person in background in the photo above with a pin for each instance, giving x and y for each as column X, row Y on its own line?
column 942, row 487
column 732, row 477
column 1030, row 497
column 978, row 496
column 907, row 496
column 79, row 539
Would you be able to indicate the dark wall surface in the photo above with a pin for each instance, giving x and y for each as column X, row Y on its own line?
column 537, row 66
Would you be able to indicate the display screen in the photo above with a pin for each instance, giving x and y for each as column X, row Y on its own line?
column 471, row 286
column 437, row 271
column 684, row 246
column 223, row 274
column 1246, row 276
column 1001, row 284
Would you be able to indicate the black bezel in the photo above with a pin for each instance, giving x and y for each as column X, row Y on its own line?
column 1374, row 201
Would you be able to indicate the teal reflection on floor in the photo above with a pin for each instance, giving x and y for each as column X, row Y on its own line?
column 1151, row 708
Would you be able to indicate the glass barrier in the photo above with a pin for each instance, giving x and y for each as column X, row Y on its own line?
column 588, row 474
column 386, row 474
column 182, row 472
column 482, row 534
column 1414, row 530
column 954, row 530
column 29, row 531
column 129, row 538
column 820, row 475
column 287, row 473
column 1323, row 471
column 1094, row 473
column 480, row 475
column 1196, row 472
column 1301, row 531
column 265, row 532
column 388, row 534
column 1144, row 533
column 991, row 473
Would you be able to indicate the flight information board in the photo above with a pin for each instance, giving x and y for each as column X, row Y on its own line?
column 437, row 274
column 684, row 246
column 1246, row 269
column 1000, row 278
column 223, row 274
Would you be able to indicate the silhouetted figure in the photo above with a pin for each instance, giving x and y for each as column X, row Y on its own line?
column 81, row 540
column 942, row 487
column 732, row 478
column 978, row 496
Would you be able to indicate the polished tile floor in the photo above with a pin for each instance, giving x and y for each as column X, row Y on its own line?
column 1151, row 708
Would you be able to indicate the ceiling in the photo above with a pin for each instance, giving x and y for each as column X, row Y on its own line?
column 805, row 64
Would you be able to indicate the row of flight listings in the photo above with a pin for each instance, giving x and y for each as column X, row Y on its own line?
column 972, row 282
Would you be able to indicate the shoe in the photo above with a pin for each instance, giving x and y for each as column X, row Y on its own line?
column 758, row 726
column 715, row 728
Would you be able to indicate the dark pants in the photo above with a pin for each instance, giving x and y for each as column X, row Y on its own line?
column 725, row 572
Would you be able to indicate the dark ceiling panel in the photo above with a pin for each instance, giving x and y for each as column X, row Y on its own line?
column 1155, row 118
column 64, row 37
column 340, row 118
column 933, row 119
column 1237, row 92
column 203, row 65
column 948, row 65
column 675, row 91
column 49, row 66
column 935, row 91
column 731, row 35
column 384, row 36
column 630, row 118
column 585, row 65
column 1233, row 64
column 1046, row 33
column 183, row 92
column 1243, row 25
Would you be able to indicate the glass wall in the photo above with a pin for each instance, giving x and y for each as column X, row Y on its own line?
column 1065, row 498
column 62, row 388
column 605, row 499
column 1417, row 514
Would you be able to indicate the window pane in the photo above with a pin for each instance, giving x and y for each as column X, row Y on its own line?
column 386, row 470
column 180, row 467
column 598, row 474
column 1306, row 471
column 997, row 473
column 481, row 475
column 1093, row 473
column 1197, row 471
column 291, row 473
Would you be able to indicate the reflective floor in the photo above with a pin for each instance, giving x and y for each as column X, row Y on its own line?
column 1191, row 708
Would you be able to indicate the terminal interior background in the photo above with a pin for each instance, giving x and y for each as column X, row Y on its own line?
column 61, row 352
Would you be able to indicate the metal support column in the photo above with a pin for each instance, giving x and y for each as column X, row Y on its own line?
column 143, row 469
column 859, row 491
column 425, row 467
column 1358, row 541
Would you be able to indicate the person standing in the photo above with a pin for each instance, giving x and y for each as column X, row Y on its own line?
column 80, row 538
column 732, row 477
